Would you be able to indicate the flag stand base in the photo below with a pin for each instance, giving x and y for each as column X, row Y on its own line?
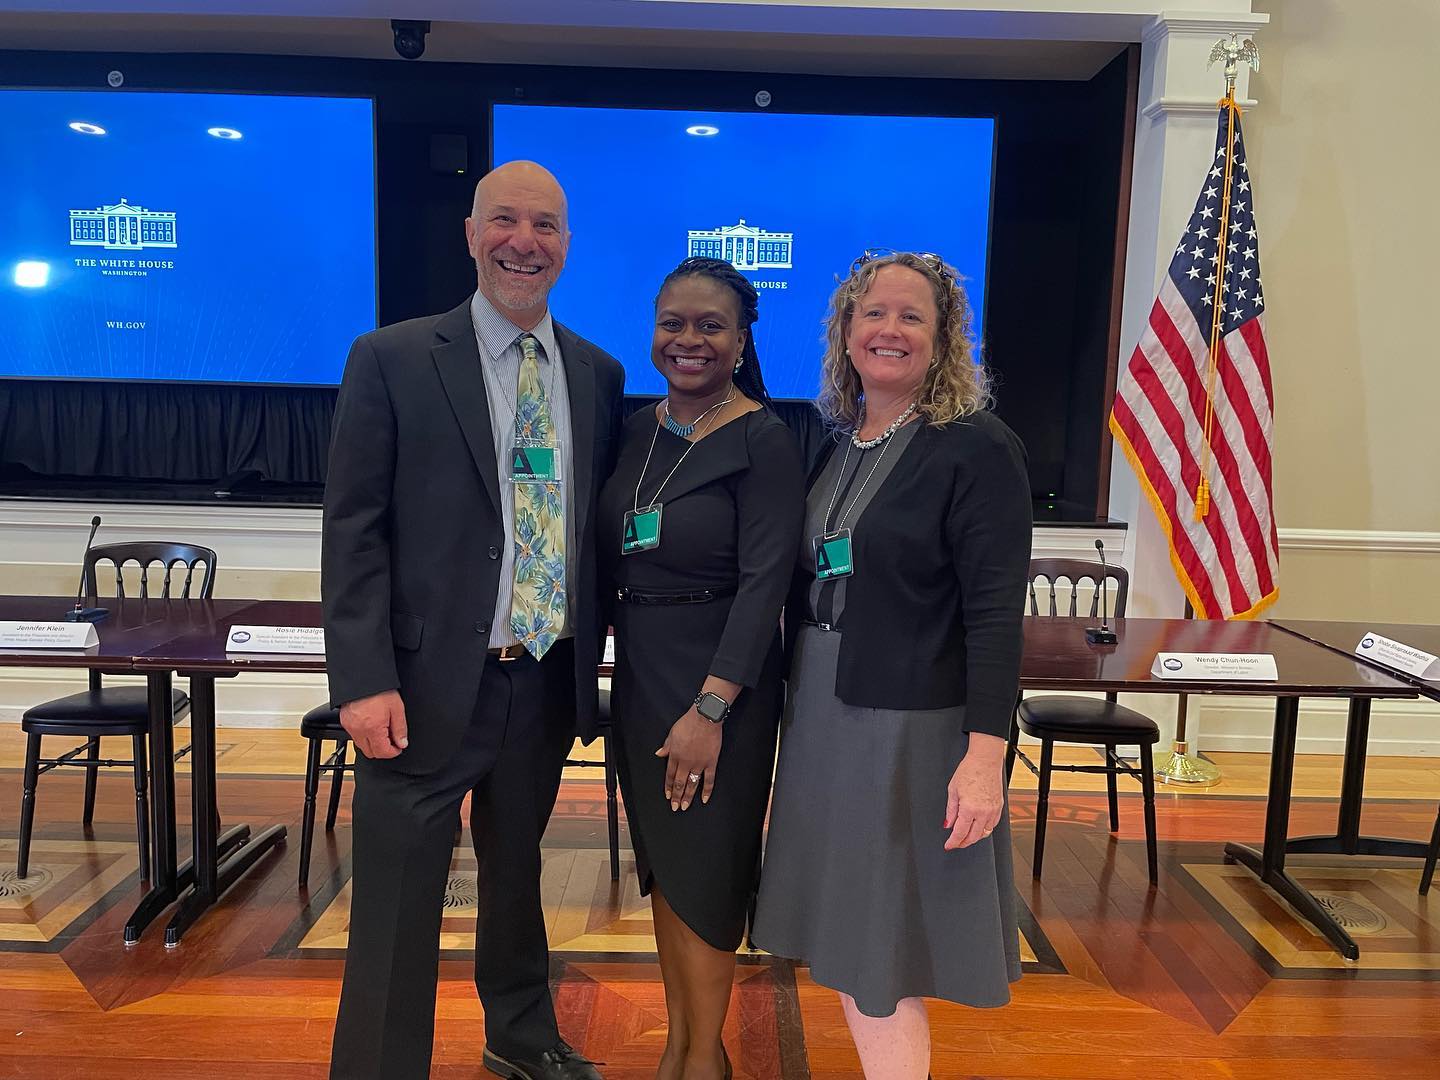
column 1179, row 768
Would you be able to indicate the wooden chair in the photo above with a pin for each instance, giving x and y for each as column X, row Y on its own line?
column 322, row 724
column 1106, row 723
column 319, row 726
column 110, row 710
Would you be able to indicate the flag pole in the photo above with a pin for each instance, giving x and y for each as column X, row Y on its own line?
column 1178, row 767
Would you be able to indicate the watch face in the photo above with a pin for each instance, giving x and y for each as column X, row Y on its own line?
column 712, row 707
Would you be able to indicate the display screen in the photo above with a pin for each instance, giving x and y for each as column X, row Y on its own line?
column 791, row 200
column 185, row 236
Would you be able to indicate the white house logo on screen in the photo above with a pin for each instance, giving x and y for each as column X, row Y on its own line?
column 743, row 246
column 1171, row 664
column 239, row 637
column 122, row 227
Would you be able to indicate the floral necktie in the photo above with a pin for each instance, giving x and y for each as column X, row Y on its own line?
column 537, row 605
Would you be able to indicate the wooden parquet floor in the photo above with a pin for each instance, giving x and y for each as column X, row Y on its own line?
column 1208, row 976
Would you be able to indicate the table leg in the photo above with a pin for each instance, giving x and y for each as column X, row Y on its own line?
column 164, row 887
column 218, row 861
column 1269, row 863
column 1347, row 839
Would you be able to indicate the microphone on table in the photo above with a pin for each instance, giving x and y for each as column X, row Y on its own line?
column 1102, row 634
column 81, row 613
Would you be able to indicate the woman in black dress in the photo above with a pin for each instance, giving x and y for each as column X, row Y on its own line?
column 698, row 527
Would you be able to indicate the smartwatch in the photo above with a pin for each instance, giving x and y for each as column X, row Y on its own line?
column 712, row 707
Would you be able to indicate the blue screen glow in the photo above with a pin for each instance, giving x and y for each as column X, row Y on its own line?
column 790, row 199
column 180, row 236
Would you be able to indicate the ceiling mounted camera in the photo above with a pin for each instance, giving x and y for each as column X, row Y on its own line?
column 410, row 37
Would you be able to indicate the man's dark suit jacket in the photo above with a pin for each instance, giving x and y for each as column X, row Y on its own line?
column 410, row 563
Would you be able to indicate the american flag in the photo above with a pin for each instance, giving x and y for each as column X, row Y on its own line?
column 1196, row 419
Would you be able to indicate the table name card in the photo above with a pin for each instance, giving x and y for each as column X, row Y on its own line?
column 1398, row 655
column 309, row 640
column 1259, row 667
column 48, row 635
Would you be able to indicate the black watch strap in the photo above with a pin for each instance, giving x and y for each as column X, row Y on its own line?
column 712, row 706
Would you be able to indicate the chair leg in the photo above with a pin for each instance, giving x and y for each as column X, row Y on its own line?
column 1012, row 744
column 612, row 809
column 92, row 773
column 342, row 748
column 142, row 806
column 1042, row 808
column 27, row 802
column 1110, row 774
column 1428, row 874
column 1147, row 785
column 307, row 818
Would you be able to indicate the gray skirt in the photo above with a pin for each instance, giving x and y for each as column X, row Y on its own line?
column 856, row 883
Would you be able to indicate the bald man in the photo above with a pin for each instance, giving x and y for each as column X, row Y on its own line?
column 462, row 630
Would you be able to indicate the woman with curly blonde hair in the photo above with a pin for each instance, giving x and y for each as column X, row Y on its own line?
column 904, row 625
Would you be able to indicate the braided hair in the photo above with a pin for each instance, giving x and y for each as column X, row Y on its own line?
column 748, row 380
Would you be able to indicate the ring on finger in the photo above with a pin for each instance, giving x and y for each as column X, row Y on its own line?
column 694, row 778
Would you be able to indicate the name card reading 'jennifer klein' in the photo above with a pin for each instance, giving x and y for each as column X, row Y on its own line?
column 1398, row 655
column 48, row 635
column 309, row 640
column 1259, row 667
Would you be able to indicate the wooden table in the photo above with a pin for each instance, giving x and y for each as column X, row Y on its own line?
column 162, row 639
column 133, row 628
column 1057, row 657
column 199, row 654
column 1342, row 638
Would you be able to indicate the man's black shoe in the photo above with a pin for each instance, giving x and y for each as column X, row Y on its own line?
column 560, row 1062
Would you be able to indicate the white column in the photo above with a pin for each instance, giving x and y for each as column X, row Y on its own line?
column 1174, row 144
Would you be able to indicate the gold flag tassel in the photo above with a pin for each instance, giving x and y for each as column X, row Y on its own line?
column 1217, row 317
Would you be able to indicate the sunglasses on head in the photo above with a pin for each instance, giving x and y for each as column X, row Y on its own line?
column 929, row 258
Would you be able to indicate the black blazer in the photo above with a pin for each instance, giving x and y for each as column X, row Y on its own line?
column 410, row 560
column 932, row 616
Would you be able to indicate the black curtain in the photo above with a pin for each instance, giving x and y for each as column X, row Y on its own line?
column 187, row 434
column 171, row 432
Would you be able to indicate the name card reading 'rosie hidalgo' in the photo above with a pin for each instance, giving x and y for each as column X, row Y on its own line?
column 48, row 635
column 1398, row 655
column 1259, row 667
column 308, row 640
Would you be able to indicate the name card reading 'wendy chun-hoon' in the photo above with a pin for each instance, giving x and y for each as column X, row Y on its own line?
column 306, row 640
column 48, row 635
column 1398, row 655
column 1259, row 667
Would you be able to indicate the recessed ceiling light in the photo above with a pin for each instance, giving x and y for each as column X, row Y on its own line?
column 702, row 129
column 32, row 275
column 87, row 129
column 224, row 133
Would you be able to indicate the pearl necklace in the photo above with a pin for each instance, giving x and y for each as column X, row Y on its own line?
column 895, row 425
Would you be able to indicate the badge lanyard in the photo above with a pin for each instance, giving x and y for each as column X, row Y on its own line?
column 834, row 556
column 642, row 523
column 531, row 460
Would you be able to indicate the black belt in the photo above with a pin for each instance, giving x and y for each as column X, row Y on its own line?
column 506, row 653
column 701, row 596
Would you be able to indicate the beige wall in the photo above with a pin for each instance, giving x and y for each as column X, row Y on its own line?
column 1345, row 149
